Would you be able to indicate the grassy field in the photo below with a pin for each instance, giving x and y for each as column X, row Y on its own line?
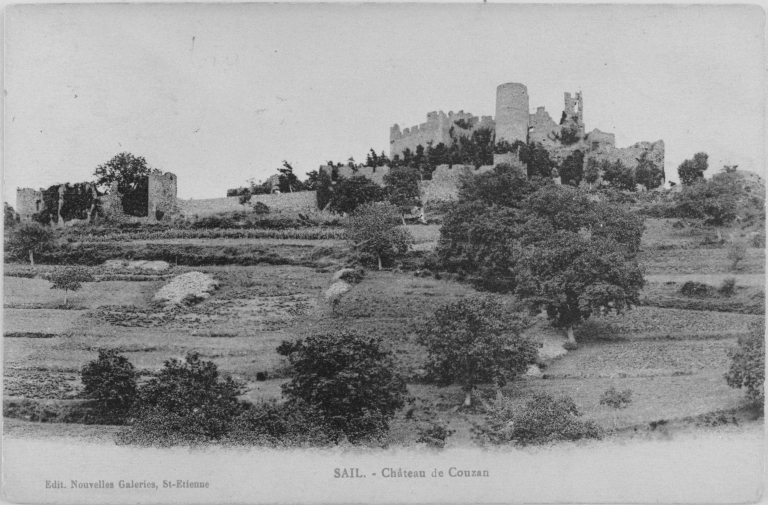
column 673, row 359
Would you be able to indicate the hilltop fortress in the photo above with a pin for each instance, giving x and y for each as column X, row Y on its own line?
column 513, row 122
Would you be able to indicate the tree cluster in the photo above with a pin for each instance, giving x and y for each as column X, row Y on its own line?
column 551, row 245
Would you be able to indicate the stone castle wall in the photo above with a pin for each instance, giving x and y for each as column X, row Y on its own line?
column 302, row 201
column 437, row 130
column 444, row 186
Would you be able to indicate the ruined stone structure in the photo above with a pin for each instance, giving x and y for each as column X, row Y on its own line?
column 436, row 130
column 161, row 201
column 301, row 201
column 376, row 174
column 512, row 117
column 514, row 122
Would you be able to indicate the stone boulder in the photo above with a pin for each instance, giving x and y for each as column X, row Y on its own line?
column 188, row 288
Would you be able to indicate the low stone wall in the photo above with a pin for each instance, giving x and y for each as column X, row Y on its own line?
column 444, row 186
column 303, row 201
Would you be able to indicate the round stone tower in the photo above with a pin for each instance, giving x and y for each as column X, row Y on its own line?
column 512, row 112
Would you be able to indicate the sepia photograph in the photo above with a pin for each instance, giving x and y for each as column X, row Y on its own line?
column 383, row 253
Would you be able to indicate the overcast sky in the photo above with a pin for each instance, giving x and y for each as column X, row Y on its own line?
column 219, row 94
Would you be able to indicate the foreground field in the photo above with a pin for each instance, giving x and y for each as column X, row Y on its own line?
column 673, row 360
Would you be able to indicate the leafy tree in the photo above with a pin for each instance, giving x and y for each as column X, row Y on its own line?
column 504, row 185
column 592, row 172
column 693, row 170
column 127, row 170
column 324, row 188
column 30, row 238
column 70, row 279
column 187, row 402
column 747, row 368
column 572, row 170
column 374, row 229
column 571, row 276
column 619, row 176
column 313, row 178
column 475, row 340
column 245, row 198
column 403, row 187
column 716, row 200
column 110, row 380
column 11, row 217
column 648, row 173
column 569, row 134
column 348, row 194
column 348, row 379
column 536, row 158
column 287, row 181
column 616, row 400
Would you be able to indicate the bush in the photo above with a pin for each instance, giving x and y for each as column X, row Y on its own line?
column 543, row 419
column 737, row 251
column 110, row 380
column 348, row 379
column 728, row 287
column 616, row 399
column 693, row 288
column 748, row 364
column 271, row 424
column 759, row 241
column 187, row 403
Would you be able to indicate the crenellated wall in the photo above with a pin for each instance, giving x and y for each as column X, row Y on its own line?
column 437, row 130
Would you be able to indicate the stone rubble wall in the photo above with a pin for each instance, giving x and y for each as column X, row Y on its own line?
column 302, row 201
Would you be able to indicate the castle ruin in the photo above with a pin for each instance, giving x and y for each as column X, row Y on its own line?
column 156, row 198
column 514, row 122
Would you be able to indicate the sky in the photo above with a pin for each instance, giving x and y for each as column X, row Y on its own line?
column 222, row 93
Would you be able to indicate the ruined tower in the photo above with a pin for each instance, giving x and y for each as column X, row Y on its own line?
column 512, row 112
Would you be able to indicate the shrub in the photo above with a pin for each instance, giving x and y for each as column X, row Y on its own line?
column 616, row 399
column 737, row 251
column 693, row 288
column 272, row 424
column 747, row 368
column 434, row 434
column 187, row 403
column 110, row 380
column 543, row 419
column 260, row 208
column 348, row 379
column 728, row 287
column 475, row 340
column 759, row 241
